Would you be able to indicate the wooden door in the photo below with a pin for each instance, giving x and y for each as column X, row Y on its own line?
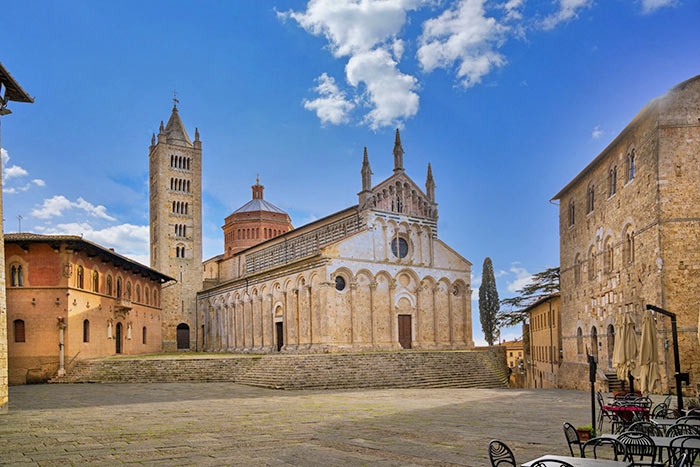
column 279, row 328
column 118, row 338
column 405, row 331
column 183, row 336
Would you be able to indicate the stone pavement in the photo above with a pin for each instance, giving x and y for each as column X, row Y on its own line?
column 229, row 424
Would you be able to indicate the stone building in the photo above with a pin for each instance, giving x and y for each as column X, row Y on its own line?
column 629, row 228
column 255, row 221
column 544, row 317
column 70, row 299
column 175, row 167
column 374, row 276
column 10, row 90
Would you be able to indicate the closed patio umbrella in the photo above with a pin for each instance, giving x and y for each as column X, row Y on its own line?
column 648, row 363
column 625, row 351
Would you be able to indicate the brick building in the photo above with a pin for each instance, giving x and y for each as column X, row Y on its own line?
column 70, row 299
column 255, row 221
column 10, row 90
column 629, row 228
column 544, row 317
column 374, row 276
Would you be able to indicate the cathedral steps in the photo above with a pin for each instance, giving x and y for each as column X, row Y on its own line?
column 404, row 369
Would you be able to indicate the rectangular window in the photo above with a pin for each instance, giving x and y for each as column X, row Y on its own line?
column 19, row 330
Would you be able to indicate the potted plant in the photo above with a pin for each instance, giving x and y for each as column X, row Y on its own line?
column 585, row 433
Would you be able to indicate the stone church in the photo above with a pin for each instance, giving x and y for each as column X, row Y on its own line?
column 374, row 276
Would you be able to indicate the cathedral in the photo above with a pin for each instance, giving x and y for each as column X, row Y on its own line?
column 373, row 276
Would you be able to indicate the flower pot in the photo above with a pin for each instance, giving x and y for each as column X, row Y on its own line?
column 584, row 435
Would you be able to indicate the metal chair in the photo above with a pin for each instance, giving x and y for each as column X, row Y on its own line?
column 682, row 461
column 647, row 427
column 551, row 463
column 688, row 421
column 610, row 445
column 500, row 454
column 657, row 408
column 681, row 430
column 668, row 413
column 667, row 401
column 694, row 413
column 572, row 438
column 679, row 447
column 640, row 446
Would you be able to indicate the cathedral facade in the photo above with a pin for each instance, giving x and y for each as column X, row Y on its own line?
column 374, row 276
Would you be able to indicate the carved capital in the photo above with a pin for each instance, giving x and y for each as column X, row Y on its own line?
column 373, row 285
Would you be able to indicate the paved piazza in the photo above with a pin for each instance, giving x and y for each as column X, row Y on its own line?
column 229, row 424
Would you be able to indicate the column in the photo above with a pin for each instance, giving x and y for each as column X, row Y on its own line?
column 435, row 315
column 372, row 291
column 243, row 302
column 392, row 324
column 309, row 295
column 251, row 306
column 416, row 292
column 235, row 326
column 296, row 314
column 285, row 323
column 323, row 316
column 449, row 316
column 261, row 342
column 272, row 322
column 353, row 292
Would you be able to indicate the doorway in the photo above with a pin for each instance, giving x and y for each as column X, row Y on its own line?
column 279, row 330
column 118, row 338
column 405, row 331
column 183, row 336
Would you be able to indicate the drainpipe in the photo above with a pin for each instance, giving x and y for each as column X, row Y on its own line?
column 61, row 353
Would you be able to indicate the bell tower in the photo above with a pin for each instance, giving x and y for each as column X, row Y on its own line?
column 175, row 186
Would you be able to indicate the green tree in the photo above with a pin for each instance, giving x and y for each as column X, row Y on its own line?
column 488, row 303
column 541, row 284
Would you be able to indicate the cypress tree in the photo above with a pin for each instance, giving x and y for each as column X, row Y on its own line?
column 488, row 302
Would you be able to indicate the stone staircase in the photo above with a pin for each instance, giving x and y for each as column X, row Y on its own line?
column 614, row 384
column 405, row 369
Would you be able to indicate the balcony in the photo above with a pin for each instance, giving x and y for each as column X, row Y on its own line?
column 122, row 304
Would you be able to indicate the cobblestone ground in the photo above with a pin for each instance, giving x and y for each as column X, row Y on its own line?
column 229, row 424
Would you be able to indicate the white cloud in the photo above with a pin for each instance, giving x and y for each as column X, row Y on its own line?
column 597, row 132
column 331, row 106
column 15, row 171
column 55, row 206
column 568, row 10
column 4, row 156
column 463, row 34
column 353, row 26
column 126, row 239
column 390, row 92
column 522, row 278
column 650, row 6
column 365, row 31
column 513, row 9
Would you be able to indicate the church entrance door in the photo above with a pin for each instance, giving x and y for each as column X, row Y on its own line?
column 279, row 330
column 118, row 338
column 405, row 331
column 183, row 336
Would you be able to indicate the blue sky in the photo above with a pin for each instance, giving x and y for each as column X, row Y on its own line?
column 507, row 99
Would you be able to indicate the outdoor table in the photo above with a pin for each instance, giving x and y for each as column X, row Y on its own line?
column 662, row 441
column 625, row 412
column 580, row 461
column 665, row 421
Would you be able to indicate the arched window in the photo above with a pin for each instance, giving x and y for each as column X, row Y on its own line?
column 590, row 198
column 184, row 230
column 171, row 160
column 609, row 255
column 80, row 276
column 579, row 341
column 591, row 263
column 628, row 246
column 86, row 330
column 96, row 281
column 128, row 290
column 611, row 343
column 143, row 335
column 594, row 342
column 572, row 212
column 16, row 276
column 119, row 287
column 147, row 295
column 155, row 297
column 19, row 330
column 577, row 269
column 612, row 181
column 629, row 176
column 138, row 293
column 109, row 285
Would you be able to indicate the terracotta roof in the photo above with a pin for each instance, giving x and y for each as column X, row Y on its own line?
column 13, row 91
column 87, row 244
column 540, row 299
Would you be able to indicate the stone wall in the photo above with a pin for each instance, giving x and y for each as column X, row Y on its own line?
column 637, row 245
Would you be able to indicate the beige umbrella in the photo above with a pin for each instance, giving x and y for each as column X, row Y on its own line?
column 625, row 351
column 648, row 364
